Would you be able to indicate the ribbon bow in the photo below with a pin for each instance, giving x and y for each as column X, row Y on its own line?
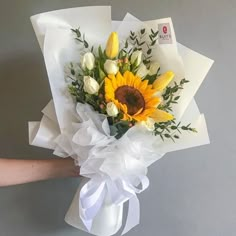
column 94, row 192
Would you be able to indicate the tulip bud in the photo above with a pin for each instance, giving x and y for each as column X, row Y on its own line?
column 154, row 67
column 142, row 71
column 149, row 124
column 112, row 109
column 91, row 86
column 163, row 80
column 111, row 67
column 136, row 58
column 88, row 61
column 112, row 47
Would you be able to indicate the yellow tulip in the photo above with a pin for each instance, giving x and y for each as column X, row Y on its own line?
column 112, row 47
column 161, row 116
column 163, row 80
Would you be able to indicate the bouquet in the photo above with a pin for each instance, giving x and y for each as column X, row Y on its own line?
column 122, row 98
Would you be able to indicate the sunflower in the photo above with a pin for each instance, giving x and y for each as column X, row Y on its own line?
column 134, row 97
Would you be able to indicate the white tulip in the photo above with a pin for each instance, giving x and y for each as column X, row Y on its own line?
column 111, row 67
column 149, row 124
column 112, row 109
column 91, row 86
column 136, row 56
column 154, row 67
column 142, row 71
column 88, row 61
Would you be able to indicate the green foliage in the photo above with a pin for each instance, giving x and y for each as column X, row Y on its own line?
column 170, row 97
column 80, row 38
column 171, row 130
column 140, row 42
column 120, row 128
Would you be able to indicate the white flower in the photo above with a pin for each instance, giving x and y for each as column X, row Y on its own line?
column 136, row 57
column 91, row 86
column 154, row 67
column 112, row 109
column 88, row 61
column 149, row 124
column 142, row 71
column 111, row 67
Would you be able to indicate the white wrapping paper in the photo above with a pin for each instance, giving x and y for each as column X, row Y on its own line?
column 79, row 132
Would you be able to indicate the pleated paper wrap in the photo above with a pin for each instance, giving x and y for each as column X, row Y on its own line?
column 112, row 169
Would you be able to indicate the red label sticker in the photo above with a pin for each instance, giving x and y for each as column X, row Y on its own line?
column 164, row 29
column 165, row 36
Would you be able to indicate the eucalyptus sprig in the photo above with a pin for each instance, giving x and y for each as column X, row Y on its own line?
column 81, row 38
column 139, row 39
column 153, row 39
column 169, row 95
column 76, row 92
column 171, row 130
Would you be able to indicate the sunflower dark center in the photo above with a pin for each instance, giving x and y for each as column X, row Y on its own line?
column 131, row 97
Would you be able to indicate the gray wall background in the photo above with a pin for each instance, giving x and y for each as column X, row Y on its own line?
column 192, row 192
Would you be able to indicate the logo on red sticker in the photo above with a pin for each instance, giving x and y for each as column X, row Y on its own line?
column 165, row 36
column 164, row 29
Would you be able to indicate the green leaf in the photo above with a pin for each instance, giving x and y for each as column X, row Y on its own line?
column 150, row 78
column 102, row 75
column 155, row 34
column 79, row 40
column 153, row 43
column 72, row 71
column 86, row 44
column 100, row 53
column 149, row 51
column 126, row 44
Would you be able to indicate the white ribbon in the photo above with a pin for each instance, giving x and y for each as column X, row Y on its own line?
column 92, row 196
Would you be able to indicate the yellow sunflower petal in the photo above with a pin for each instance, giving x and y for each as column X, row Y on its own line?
column 114, row 83
column 140, row 118
column 123, row 107
column 163, row 80
column 129, row 78
column 109, row 91
column 161, row 116
column 126, row 117
column 143, row 85
column 139, row 111
column 153, row 102
column 120, row 80
column 137, row 82
column 148, row 94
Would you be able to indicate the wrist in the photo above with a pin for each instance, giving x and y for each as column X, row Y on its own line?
column 67, row 168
